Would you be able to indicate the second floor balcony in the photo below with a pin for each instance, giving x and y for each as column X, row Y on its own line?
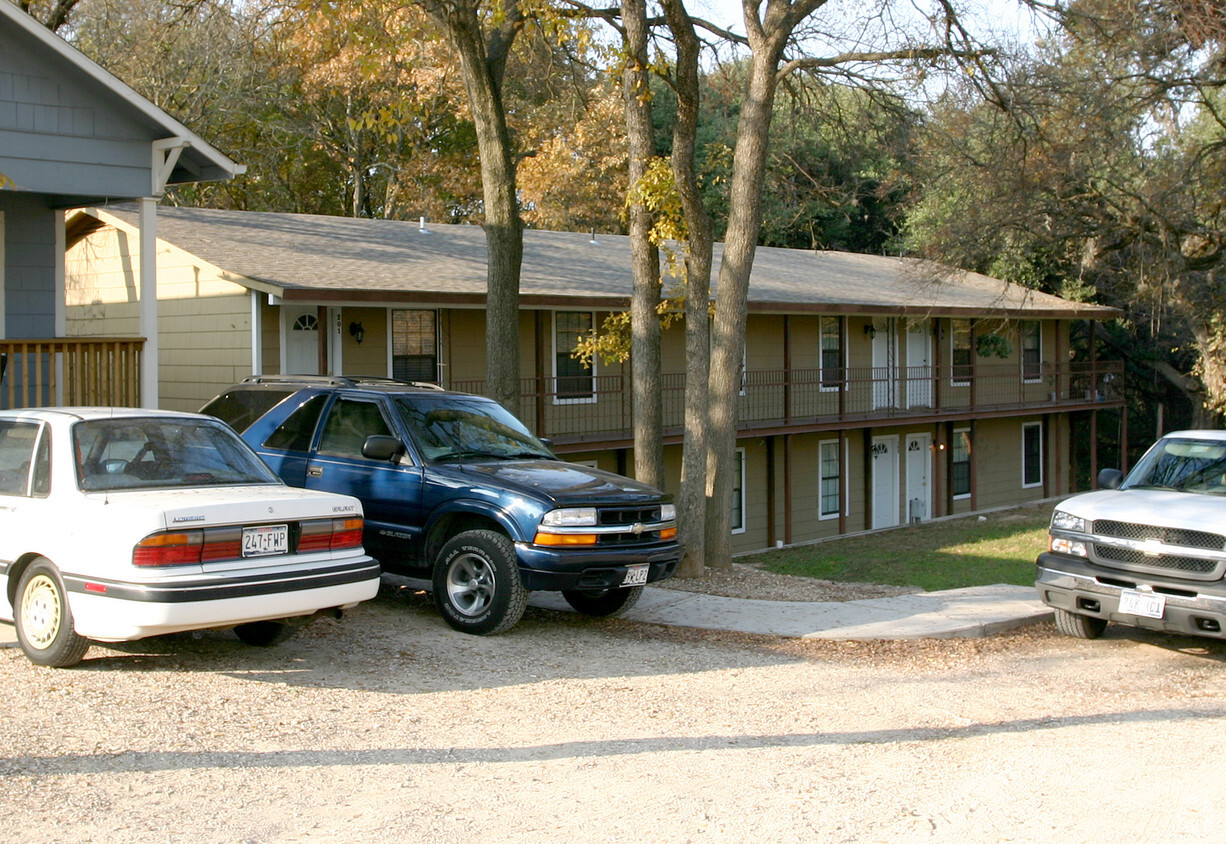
column 599, row 409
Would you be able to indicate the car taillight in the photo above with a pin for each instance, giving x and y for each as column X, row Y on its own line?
column 330, row 535
column 169, row 549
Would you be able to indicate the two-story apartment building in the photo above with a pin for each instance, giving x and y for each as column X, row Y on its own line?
column 876, row 390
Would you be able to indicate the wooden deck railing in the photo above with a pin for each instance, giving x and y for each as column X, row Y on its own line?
column 70, row 371
column 599, row 409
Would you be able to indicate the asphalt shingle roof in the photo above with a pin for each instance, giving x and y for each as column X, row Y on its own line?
column 336, row 258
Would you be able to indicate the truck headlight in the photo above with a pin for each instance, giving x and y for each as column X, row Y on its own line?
column 1071, row 547
column 570, row 517
column 668, row 512
column 1060, row 520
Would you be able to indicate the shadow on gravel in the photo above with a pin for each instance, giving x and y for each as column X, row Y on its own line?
column 398, row 643
column 179, row 761
column 1210, row 649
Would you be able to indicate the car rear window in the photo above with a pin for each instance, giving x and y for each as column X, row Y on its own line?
column 241, row 408
column 146, row 452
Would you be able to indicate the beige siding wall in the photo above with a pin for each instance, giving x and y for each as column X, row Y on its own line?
column 370, row 357
column 204, row 322
column 465, row 344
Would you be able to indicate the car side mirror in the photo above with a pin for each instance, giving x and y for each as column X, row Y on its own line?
column 1110, row 479
column 382, row 447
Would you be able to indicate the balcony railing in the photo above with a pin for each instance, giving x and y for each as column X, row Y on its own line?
column 600, row 410
column 70, row 371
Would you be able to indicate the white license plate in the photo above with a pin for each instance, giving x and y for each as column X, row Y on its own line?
column 1144, row 604
column 636, row 575
column 265, row 541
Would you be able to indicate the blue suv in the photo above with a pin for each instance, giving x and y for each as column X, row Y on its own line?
column 457, row 490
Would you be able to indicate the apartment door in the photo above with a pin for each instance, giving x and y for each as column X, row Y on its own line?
column 919, row 364
column 919, row 461
column 301, row 328
column 885, row 363
column 885, row 482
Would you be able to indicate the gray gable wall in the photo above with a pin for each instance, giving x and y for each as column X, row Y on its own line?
column 29, row 252
column 58, row 135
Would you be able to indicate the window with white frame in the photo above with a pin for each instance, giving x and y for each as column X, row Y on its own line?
column 1031, row 331
column 415, row 346
column 960, row 464
column 738, row 492
column 830, row 341
column 576, row 379
column 1032, row 454
column 831, row 479
column 960, row 352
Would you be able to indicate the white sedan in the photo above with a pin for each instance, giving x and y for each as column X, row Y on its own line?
column 117, row 524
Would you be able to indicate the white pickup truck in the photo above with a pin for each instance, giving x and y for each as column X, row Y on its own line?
column 1148, row 550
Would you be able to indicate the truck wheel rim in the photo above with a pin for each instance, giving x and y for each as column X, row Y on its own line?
column 470, row 585
column 41, row 612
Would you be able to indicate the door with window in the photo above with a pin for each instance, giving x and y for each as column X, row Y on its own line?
column 390, row 490
column 301, row 340
column 885, row 482
column 919, row 494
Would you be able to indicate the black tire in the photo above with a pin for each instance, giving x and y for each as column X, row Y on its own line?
column 264, row 634
column 602, row 603
column 476, row 583
column 44, row 619
column 1079, row 626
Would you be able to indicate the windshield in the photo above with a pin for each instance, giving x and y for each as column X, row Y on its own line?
column 1184, row 465
column 457, row 427
column 158, row 452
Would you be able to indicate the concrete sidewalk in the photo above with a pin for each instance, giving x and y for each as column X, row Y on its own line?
column 956, row 613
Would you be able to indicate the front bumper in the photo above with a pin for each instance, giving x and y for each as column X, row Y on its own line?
column 554, row 569
column 1079, row 586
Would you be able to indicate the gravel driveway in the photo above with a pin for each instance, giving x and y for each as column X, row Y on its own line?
column 389, row 726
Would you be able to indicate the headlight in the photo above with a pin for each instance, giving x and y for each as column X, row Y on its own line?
column 1072, row 547
column 1061, row 520
column 572, row 517
column 668, row 512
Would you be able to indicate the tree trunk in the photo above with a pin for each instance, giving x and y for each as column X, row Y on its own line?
column 744, row 223
column 647, row 401
column 692, row 502
column 482, row 65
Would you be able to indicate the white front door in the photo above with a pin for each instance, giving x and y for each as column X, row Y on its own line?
column 919, row 364
column 919, row 498
column 301, row 332
column 885, row 363
column 885, row 482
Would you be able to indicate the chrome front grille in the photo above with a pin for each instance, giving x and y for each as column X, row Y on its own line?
column 1165, row 535
column 1171, row 562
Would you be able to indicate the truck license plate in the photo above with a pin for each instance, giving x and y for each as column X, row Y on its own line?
column 266, row 540
column 1144, row 604
column 636, row 575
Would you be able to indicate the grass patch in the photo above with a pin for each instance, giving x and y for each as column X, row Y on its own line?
column 1000, row 548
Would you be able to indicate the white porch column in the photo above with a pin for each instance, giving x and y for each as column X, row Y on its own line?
column 61, row 301
column 257, row 335
column 149, row 301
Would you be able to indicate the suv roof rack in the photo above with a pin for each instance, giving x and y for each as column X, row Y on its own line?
column 342, row 381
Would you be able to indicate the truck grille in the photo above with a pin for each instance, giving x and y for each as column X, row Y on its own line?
column 1165, row 535
column 1130, row 558
column 628, row 517
column 608, row 516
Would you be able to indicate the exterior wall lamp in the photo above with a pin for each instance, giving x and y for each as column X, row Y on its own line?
column 870, row 330
column 357, row 332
